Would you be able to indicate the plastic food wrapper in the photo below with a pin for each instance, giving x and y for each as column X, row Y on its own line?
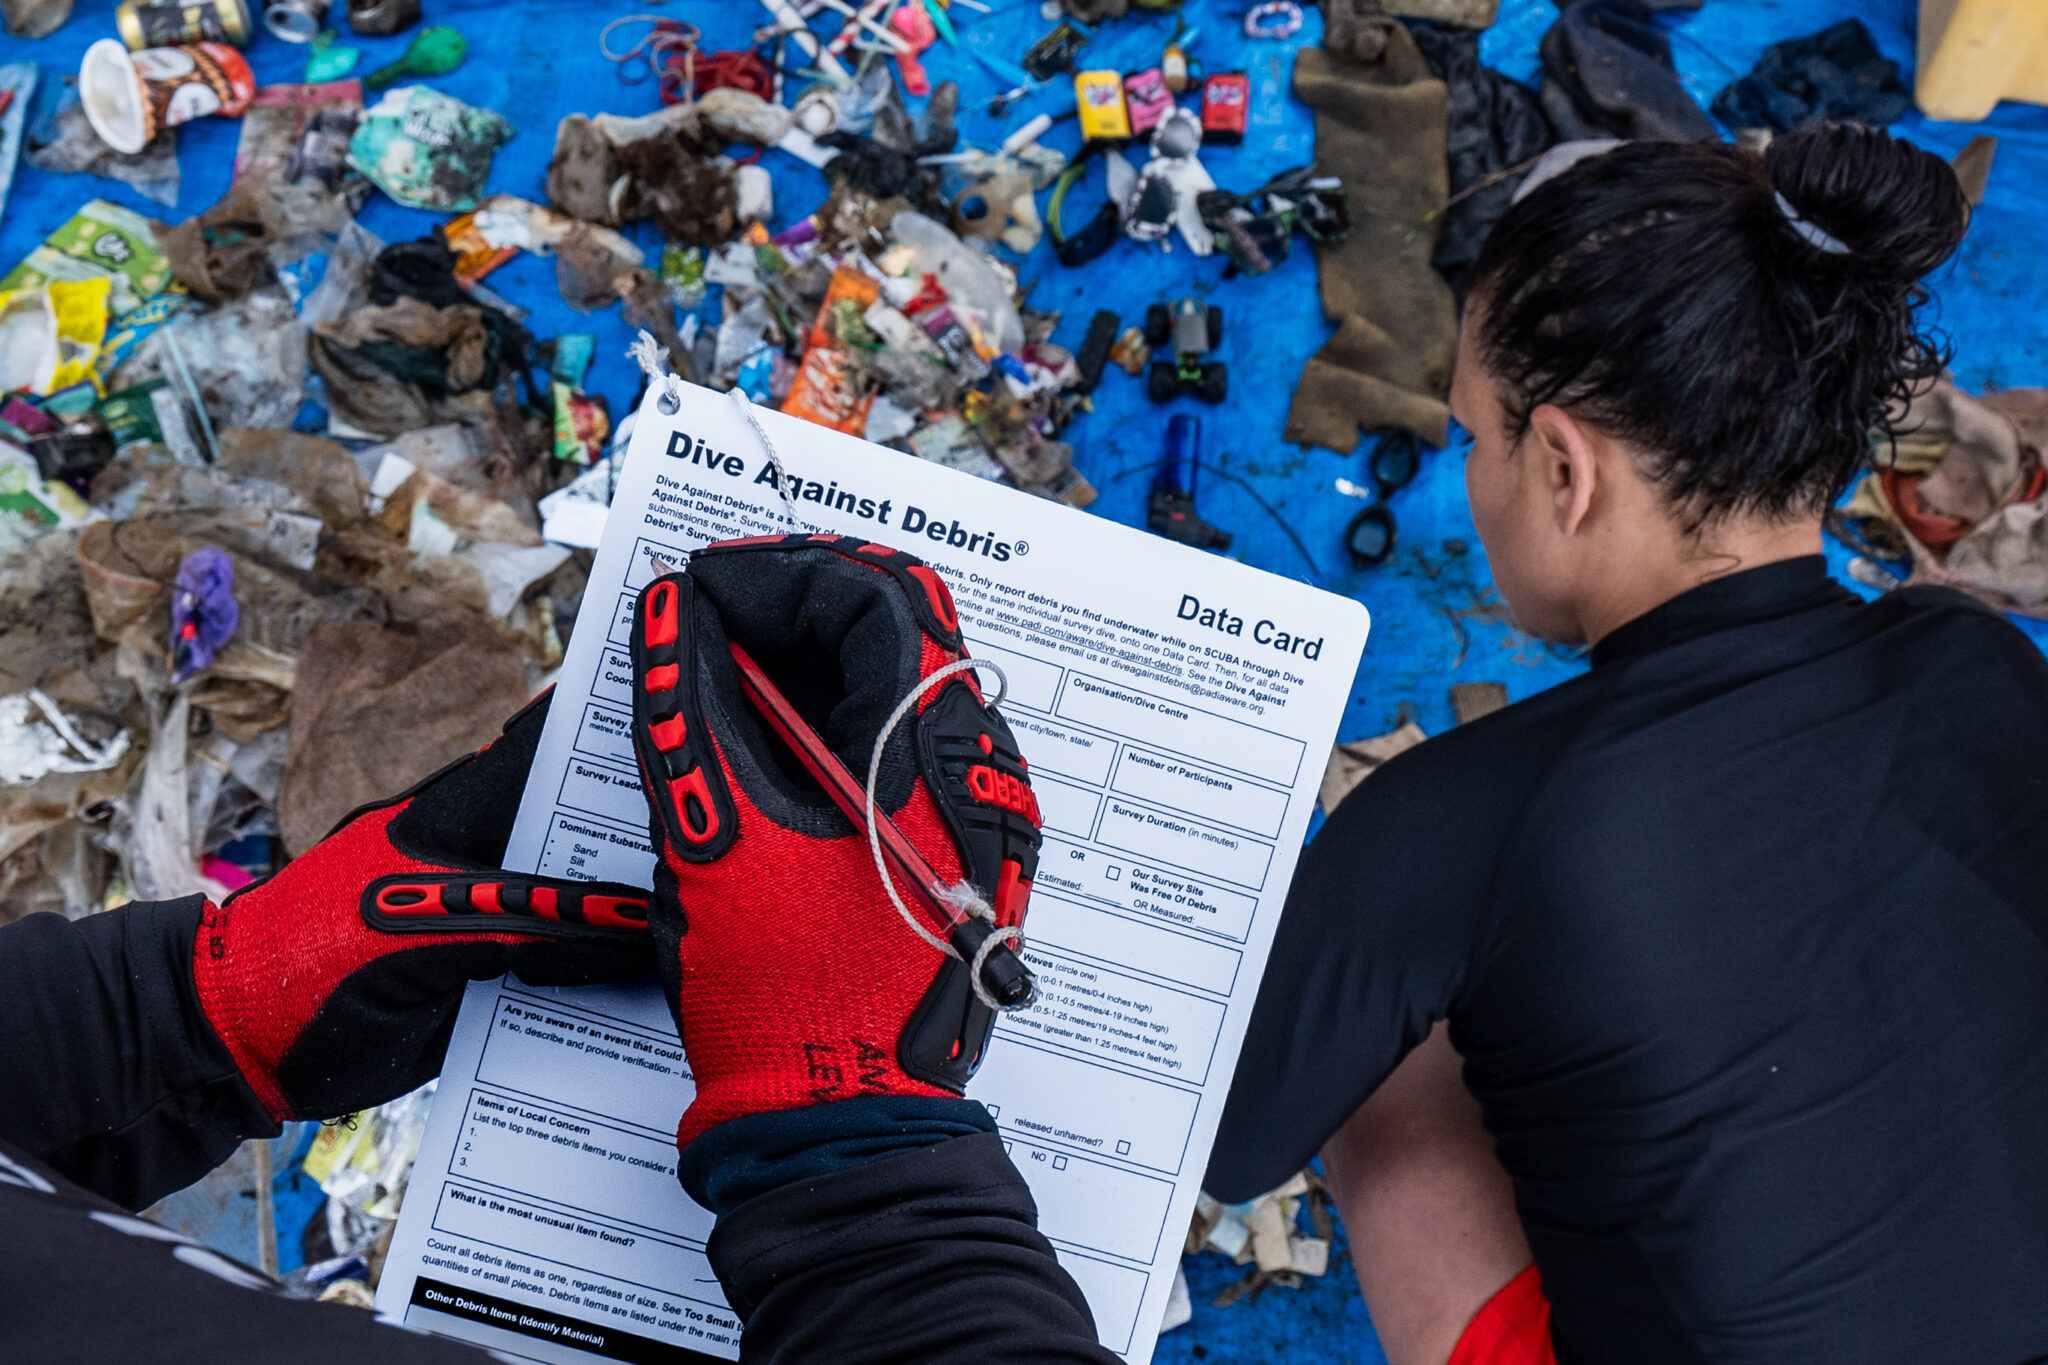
column 130, row 329
column 364, row 1161
column 101, row 240
column 50, row 336
column 970, row 278
column 475, row 255
column 428, row 150
column 151, row 414
column 953, row 442
column 827, row 389
column 583, row 423
column 294, row 133
column 576, row 513
column 30, row 505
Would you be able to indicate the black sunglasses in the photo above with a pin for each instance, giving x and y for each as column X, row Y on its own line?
column 1394, row 463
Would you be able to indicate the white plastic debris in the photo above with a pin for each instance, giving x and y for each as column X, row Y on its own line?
column 575, row 515
column 756, row 193
column 36, row 738
column 1179, row 1304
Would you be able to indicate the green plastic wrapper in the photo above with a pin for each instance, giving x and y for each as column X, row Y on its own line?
column 101, row 240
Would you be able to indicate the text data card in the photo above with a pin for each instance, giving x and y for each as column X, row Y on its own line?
column 1176, row 709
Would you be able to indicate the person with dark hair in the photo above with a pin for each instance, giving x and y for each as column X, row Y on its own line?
column 1741, row 938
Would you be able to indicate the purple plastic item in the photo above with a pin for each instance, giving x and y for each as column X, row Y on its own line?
column 203, row 611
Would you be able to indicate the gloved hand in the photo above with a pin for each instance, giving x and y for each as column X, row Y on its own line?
column 793, row 978
column 335, row 983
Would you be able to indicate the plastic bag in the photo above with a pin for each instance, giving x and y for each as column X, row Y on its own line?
column 969, row 277
column 246, row 362
column 63, row 142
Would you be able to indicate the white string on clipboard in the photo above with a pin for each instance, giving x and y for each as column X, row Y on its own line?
column 652, row 358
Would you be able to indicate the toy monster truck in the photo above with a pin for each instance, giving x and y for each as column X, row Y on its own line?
column 1195, row 332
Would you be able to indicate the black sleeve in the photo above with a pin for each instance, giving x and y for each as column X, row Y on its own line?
column 111, row 1074
column 84, row 1281
column 927, row 1256
column 1380, row 927
column 883, row 1228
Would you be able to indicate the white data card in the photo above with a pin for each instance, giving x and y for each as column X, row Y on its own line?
column 1176, row 708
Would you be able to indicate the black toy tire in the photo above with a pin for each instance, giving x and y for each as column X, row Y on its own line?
column 1158, row 325
column 1215, row 328
column 1215, row 383
column 1162, row 382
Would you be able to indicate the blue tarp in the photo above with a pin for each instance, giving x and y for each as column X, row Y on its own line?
column 1436, row 619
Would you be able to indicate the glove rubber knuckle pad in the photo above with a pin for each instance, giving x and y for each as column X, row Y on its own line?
column 678, row 762
column 977, row 779
column 496, row 903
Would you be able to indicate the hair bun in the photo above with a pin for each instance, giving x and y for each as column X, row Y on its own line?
column 1898, row 209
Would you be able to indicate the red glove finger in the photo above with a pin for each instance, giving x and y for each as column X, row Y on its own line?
column 335, row 983
column 793, row 978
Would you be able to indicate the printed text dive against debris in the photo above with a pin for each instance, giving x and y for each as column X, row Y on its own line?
column 1176, row 708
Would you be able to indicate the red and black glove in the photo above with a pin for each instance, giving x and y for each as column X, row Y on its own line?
column 335, row 983
column 793, row 978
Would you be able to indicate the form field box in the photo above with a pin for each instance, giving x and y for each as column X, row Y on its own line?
column 605, row 733
column 1148, row 719
column 1176, row 897
column 1051, row 746
column 1081, row 930
column 624, row 1176
column 1033, row 682
column 1064, row 806
column 640, row 570
column 621, row 632
column 1183, row 843
column 1052, row 1097
column 604, row 791
column 614, row 680
column 1114, row 1294
column 588, row 1248
column 588, row 1063
column 575, row 847
column 1111, row 1017
column 1094, row 1205
column 1225, row 798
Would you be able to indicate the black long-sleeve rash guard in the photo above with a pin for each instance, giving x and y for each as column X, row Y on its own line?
column 845, row 1242
column 1743, row 936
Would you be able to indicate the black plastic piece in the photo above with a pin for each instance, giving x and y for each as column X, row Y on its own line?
column 1162, row 382
column 1170, row 512
column 1158, row 324
column 1093, row 356
column 1370, row 537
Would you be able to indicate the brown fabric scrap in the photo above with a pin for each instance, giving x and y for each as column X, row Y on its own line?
column 379, row 709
